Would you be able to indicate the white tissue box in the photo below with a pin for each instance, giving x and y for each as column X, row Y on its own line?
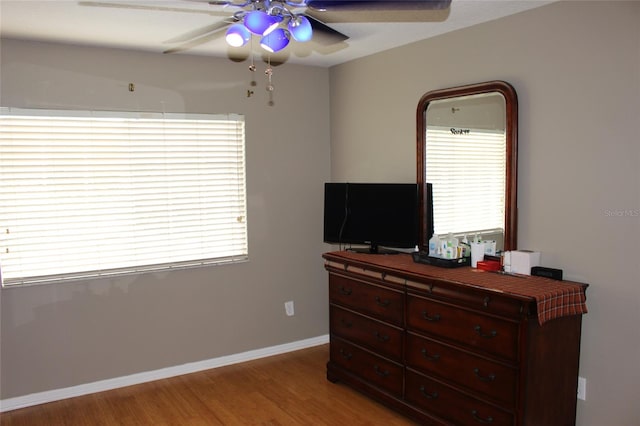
column 523, row 260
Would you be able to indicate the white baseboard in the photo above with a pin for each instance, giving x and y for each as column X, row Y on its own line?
column 148, row 376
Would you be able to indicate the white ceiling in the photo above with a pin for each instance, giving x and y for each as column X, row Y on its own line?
column 148, row 25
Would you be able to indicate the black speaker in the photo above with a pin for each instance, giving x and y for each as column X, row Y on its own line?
column 541, row 271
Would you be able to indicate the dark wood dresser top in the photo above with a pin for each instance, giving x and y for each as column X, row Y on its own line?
column 553, row 298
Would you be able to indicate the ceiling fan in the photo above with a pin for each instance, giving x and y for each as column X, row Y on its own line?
column 277, row 22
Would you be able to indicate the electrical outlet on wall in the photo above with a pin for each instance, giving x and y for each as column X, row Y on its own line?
column 582, row 388
column 288, row 308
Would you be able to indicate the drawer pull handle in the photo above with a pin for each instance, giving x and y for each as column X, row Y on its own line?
column 346, row 291
column 379, row 372
column 490, row 378
column 346, row 355
column 425, row 354
column 346, row 323
column 384, row 303
column 381, row 337
column 432, row 395
column 434, row 318
column 479, row 419
column 491, row 334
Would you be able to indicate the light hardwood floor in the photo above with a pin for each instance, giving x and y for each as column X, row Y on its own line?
column 288, row 389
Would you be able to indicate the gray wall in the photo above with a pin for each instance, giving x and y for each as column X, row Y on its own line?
column 56, row 336
column 576, row 68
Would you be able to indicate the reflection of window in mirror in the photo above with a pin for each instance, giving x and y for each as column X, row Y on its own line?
column 465, row 161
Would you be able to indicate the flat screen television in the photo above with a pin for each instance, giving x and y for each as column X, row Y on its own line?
column 371, row 214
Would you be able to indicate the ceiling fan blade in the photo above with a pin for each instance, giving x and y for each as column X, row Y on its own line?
column 325, row 34
column 379, row 15
column 138, row 6
column 192, row 43
column 331, row 5
column 223, row 2
column 202, row 31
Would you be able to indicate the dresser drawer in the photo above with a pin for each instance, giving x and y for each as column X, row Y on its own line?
column 495, row 380
column 381, row 372
column 444, row 401
column 382, row 338
column 478, row 331
column 473, row 298
column 376, row 301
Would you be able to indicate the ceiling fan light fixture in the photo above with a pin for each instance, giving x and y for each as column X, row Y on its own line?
column 300, row 28
column 258, row 21
column 237, row 35
column 275, row 41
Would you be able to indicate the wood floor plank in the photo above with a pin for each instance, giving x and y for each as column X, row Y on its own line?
column 287, row 389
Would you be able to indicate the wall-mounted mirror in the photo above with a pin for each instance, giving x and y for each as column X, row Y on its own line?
column 467, row 150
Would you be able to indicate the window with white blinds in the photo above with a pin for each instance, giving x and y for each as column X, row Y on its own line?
column 467, row 169
column 89, row 194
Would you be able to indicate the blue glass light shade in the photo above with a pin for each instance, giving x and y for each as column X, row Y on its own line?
column 275, row 21
column 259, row 22
column 275, row 40
column 300, row 29
column 237, row 35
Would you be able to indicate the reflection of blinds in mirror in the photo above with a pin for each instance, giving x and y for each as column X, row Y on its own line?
column 467, row 170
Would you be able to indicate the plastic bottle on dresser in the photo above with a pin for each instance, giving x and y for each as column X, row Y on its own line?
column 434, row 245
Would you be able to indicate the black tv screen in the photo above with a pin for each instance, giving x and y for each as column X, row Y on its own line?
column 372, row 214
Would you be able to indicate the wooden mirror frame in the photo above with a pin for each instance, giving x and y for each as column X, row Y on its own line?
column 511, row 133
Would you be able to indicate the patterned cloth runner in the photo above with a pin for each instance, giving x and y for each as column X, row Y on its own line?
column 553, row 298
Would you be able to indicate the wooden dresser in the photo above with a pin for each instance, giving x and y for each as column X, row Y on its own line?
column 455, row 346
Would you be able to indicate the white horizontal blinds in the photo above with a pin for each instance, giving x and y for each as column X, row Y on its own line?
column 467, row 169
column 87, row 194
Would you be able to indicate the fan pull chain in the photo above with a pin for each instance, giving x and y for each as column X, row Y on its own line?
column 252, row 69
column 270, row 88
